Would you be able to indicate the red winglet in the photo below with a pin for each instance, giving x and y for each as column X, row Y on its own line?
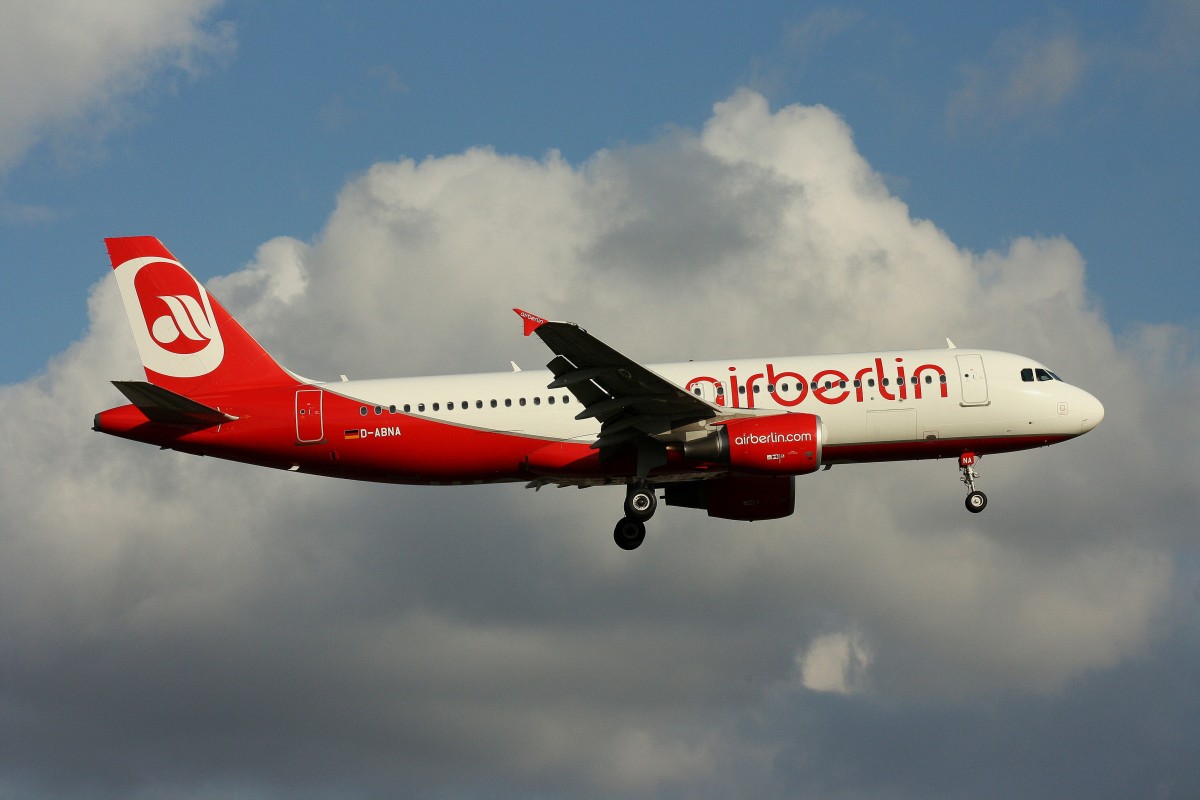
column 532, row 321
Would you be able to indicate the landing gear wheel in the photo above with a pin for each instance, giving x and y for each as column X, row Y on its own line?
column 976, row 502
column 640, row 503
column 629, row 533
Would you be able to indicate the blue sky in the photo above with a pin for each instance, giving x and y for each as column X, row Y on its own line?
column 370, row 187
column 257, row 136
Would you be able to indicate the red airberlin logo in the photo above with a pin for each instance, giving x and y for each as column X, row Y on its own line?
column 173, row 308
column 828, row 386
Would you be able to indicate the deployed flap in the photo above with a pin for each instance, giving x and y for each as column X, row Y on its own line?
column 630, row 401
column 163, row 405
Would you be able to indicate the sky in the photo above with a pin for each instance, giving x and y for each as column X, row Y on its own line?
column 371, row 187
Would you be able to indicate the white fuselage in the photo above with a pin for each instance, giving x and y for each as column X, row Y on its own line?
column 863, row 399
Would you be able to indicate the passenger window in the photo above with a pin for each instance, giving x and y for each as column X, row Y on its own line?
column 363, row 411
column 436, row 406
column 537, row 401
column 871, row 382
column 479, row 404
column 550, row 400
column 420, row 406
column 521, row 401
column 407, row 408
column 885, row 382
column 449, row 406
column 857, row 383
column 929, row 379
column 507, row 402
column 378, row 410
column 566, row 399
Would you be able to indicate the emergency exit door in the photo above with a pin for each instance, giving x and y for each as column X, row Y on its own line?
column 973, row 380
column 310, row 428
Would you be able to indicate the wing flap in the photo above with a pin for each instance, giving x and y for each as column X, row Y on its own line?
column 578, row 376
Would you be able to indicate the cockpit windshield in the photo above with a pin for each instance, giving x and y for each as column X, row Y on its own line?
column 1030, row 374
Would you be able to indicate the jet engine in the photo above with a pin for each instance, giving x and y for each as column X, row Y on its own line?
column 781, row 444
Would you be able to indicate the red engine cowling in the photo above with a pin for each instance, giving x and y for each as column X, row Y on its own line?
column 748, row 499
column 781, row 444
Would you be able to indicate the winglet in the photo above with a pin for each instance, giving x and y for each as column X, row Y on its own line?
column 532, row 321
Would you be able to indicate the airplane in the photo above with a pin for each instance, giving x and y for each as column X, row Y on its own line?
column 726, row 437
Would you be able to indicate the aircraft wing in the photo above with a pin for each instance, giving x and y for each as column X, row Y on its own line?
column 632, row 403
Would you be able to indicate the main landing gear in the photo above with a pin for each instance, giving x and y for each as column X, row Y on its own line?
column 640, row 504
column 976, row 500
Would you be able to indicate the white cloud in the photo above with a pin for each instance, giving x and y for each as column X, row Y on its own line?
column 1027, row 76
column 835, row 662
column 64, row 66
column 1030, row 75
column 810, row 34
column 484, row 636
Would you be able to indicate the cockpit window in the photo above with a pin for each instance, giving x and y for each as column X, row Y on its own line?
column 1028, row 375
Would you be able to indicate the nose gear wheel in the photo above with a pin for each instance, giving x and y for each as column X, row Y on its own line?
column 976, row 500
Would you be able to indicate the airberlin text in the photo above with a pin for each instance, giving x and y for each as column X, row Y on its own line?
column 771, row 438
column 829, row 386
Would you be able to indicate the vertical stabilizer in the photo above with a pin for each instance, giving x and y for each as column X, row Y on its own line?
column 188, row 342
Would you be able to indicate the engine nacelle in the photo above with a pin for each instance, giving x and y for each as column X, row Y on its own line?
column 781, row 444
column 748, row 499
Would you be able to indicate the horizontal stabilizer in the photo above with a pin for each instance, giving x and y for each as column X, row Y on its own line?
column 162, row 405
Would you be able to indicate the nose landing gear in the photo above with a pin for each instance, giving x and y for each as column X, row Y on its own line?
column 976, row 500
column 640, row 504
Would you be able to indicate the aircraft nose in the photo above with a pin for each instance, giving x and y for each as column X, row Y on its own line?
column 1093, row 413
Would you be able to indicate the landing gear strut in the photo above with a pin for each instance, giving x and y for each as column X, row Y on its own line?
column 976, row 500
column 640, row 504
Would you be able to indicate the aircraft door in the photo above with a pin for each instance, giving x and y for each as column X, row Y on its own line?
column 973, row 380
column 310, row 427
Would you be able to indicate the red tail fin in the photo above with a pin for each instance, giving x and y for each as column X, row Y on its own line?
column 188, row 342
